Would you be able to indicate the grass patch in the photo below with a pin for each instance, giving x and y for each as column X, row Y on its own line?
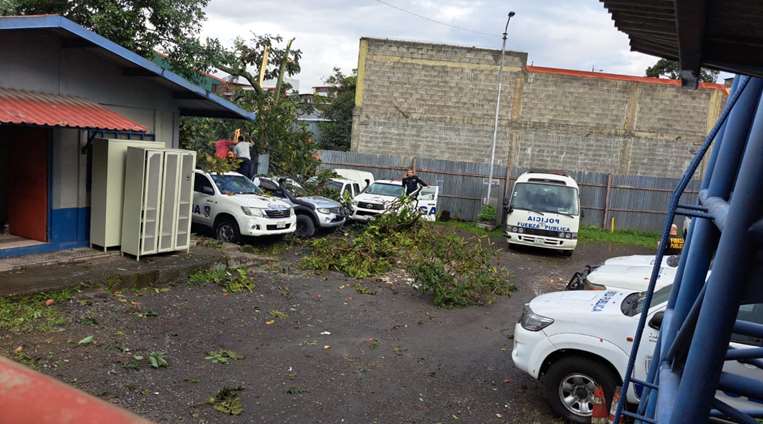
column 23, row 314
column 456, row 270
column 235, row 280
column 469, row 227
column 629, row 237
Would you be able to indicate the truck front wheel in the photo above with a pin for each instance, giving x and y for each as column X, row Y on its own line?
column 226, row 230
column 569, row 386
column 305, row 226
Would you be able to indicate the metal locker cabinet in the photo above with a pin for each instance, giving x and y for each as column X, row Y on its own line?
column 108, row 171
column 170, row 201
column 142, row 201
column 185, row 202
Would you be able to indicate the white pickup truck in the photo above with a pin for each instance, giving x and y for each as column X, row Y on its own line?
column 233, row 206
column 573, row 341
column 381, row 195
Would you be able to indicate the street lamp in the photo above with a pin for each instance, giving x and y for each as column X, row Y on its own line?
column 497, row 108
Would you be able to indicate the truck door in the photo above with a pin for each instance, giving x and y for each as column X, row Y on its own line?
column 427, row 202
column 203, row 201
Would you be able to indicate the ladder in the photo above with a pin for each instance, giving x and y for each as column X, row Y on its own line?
column 726, row 231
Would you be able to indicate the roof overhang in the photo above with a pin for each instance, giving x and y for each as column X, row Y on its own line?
column 21, row 107
column 192, row 99
column 721, row 34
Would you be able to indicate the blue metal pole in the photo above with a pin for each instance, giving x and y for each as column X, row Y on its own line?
column 703, row 366
column 680, row 187
column 727, row 156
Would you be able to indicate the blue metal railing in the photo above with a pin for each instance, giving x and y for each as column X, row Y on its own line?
column 701, row 314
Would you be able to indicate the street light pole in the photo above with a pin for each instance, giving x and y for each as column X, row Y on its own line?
column 497, row 108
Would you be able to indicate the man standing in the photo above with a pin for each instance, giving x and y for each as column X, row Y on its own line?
column 243, row 151
column 223, row 147
column 412, row 182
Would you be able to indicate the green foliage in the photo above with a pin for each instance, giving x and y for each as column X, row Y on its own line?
column 488, row 213
column 319, row 185
column 670, row 69
column 460, row 272
column 630, row 237
column 455, row 270
column 278, row 315
column 223, row 356
column 235, row 280
column 157, row 360
column 21, row 314
column 227, row 401
column 143, row 26
column 215, row 165
column 337, row 108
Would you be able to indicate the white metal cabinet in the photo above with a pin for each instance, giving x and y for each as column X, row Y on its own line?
column 157, row 206
column 108, row 172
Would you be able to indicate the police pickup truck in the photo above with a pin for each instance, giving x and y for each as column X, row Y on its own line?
column 232, row 206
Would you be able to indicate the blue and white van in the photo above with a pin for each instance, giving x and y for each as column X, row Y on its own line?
column 544, row 211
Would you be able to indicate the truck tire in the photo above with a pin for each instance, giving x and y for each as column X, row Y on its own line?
column 569, row 383
column 305, row 226
column 226, row 230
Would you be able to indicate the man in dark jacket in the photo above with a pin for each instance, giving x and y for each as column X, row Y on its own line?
column 412, row 182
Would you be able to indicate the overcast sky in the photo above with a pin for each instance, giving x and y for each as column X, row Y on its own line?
column 576, row 34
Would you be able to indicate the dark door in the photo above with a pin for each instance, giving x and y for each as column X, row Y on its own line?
column 27, row 175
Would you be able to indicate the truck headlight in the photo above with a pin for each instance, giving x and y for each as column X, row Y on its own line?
column 252, row 211
column 325, row 211
column 531, row 321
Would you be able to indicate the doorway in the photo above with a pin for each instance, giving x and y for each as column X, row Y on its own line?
column 24, row 199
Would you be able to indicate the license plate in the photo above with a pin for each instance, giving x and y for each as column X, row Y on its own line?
column 281, row 225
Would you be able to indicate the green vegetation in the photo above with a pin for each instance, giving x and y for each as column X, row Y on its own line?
column 488, row 213
column 631, row 237
column 223, row 356
column 470, row 227
column 158, row 360
column 236, row 280
column 21, row 314
column 455, row 270
column 227, row 401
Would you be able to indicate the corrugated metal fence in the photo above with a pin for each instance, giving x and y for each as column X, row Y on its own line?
column 635, row 202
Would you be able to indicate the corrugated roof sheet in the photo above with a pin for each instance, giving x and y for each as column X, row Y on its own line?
column 31, row 108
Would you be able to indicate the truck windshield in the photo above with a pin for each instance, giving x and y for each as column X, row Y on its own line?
column 382, row 189
column 539, row 197
column 235, row 184
column 634, row 302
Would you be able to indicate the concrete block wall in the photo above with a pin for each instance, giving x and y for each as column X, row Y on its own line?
column 431, row 100
column 438, row 101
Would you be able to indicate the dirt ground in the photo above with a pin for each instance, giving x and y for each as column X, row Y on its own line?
column 339, row 356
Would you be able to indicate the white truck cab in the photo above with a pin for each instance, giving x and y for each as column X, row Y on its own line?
column 573, row 341
column 363, row 178
column 233, row 206
column 544, row 211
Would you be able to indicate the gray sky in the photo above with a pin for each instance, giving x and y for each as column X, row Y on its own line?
column 576, row 34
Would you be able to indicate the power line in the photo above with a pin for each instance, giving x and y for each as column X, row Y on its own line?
column 427, row 18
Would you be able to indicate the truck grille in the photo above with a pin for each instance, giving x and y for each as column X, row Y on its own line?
column 275, row 227
column 278, row 213
column 372, row 206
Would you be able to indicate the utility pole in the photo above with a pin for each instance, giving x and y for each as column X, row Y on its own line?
column 497, row 108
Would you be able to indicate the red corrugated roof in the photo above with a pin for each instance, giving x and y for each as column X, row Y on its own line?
column 618, row 77
column 31, row 108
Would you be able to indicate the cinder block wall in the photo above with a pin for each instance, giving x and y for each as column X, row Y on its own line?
column 438, row 101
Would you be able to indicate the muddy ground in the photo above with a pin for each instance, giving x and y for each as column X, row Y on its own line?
column 390, row 357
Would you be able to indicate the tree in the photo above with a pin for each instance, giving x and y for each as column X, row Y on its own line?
column 275, row 130
column 143, row 26
column 337, row 132
column 670, row 69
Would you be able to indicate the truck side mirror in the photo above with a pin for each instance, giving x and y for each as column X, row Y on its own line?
column 656, row 321
column 208, row 190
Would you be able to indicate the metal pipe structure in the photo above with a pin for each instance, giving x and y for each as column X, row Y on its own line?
column 497, row 108
column 687, row 369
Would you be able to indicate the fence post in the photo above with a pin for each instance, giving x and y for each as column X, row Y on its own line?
column 606, row 201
